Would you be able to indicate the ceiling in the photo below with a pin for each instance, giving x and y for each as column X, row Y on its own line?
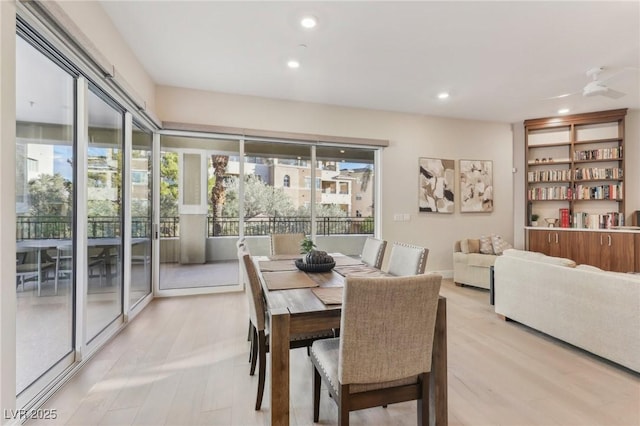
column 498, row 60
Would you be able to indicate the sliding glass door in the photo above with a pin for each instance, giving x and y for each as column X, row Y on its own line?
column 104, row 213
column 45, row 188
column 141, row 213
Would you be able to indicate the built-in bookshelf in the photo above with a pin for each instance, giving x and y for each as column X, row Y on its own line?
column 576, row 162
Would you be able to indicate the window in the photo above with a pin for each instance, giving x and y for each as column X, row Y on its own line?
column 286, row 181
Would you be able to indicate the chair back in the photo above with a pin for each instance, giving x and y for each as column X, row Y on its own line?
column 286, row 243
column 253, row 288
column 406, row 259
column 373, row 252
column 382, row 341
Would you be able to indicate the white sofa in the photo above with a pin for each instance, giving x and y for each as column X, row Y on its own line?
column 592, row 309
column 470, row 268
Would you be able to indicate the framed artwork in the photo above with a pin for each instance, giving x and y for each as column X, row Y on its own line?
column 436, row 185
column 476, row 186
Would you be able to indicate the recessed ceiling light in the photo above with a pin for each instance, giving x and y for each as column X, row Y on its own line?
column 443, row 95
column 309, row 22
column 342, row 151
column 293, row 64
column 563, row 110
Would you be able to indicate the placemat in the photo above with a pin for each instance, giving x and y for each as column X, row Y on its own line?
column 329, row 295
column 286, row 280
column 360, row 270
column 277, row 265
column 346, row 260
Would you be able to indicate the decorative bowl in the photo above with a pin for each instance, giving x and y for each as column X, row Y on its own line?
column 314, row 267
column 551, row 221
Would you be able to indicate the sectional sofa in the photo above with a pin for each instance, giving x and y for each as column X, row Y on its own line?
column 592, row 309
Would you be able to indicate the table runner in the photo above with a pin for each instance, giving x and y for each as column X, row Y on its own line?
column 329, row 295
column 285, row 280
column 285, row 256
column 360, row 270
column 343, row 260
column 277, row 265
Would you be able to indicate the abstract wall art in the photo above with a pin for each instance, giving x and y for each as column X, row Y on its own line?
column 476, row 186
column 436, row 185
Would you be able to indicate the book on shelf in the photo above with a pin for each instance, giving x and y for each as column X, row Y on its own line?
column 564, row 218
column 583, row 220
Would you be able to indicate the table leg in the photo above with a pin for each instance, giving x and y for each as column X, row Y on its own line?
column 438, row 382
column 279, row 348
column 39, row 256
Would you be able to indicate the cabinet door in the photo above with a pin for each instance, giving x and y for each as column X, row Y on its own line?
column 593, row 250
column 618, row 253
column 637, row 249
column 560, row 244
column 539, row 241
column 582, row 244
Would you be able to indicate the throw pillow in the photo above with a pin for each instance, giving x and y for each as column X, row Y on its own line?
column 499, row 244
column 474, row 245
column 485, row 245
column 464, row 246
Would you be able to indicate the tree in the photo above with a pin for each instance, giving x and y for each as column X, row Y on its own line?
column 259, row 198
column 169, row 184
column 50, row 195
column 219, row 163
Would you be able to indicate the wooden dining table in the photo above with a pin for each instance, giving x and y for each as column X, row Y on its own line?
column 299, row 310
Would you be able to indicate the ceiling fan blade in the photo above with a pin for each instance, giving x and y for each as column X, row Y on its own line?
column 564, row 95
column 613, row 94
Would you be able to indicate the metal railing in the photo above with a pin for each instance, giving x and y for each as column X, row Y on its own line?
column 60, row 227
column 56, row 227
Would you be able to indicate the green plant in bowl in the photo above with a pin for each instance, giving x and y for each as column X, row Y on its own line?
column 307, row 245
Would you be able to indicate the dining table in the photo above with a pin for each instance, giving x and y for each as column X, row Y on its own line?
column 294, row 306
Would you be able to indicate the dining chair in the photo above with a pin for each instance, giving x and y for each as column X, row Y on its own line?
column 383, row 355
column 286, row 243
column 406, row 259
column 257, row 315
column 373, row 252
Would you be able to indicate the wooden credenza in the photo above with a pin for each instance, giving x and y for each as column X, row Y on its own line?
column 611, row 250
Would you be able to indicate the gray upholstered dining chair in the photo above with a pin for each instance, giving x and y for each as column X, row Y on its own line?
column 259, row 326
column 406, row 259
column 373, row 252
column 383, row 355
column 286, row 243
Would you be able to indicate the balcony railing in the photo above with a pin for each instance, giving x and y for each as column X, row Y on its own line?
column 55, row 227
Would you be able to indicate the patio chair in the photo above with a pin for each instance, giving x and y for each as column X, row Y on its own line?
column 257, row 315
column 285, row 244
column 28, row 268
column 373, row 252
column 406, row 259
column 384, row 353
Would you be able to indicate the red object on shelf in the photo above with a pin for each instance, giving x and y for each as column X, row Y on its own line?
column 564, row 218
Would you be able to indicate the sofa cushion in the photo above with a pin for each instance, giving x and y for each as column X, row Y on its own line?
column 589, row 268
column 486, row 246
column 481, row 260
column 539, row 257
column 470, row 245
column 499, row 244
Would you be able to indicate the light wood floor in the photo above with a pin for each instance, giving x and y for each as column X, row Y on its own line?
column 183, row 361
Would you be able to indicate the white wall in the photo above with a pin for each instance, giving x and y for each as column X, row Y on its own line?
column 410, row 136
column 96, row 26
